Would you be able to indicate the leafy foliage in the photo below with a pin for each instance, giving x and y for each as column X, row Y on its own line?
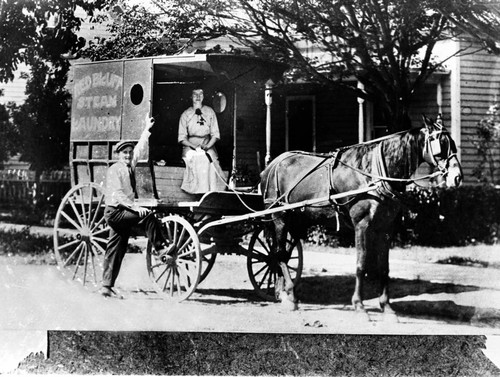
column 454, row 217
column 40, row 29
column 40, row 33
column 8, row 134
column 43, row 120
column 487, row 143
column 166, row 29
column 14, row 242
column 437, row 217
column 387, row 45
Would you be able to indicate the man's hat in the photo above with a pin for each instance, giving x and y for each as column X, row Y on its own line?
column 124, row 143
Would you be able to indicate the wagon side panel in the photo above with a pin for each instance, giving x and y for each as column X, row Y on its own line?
column 137, row 76
column 137, row 92
column 96, row 119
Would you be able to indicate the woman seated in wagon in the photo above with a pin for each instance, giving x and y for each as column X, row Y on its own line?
column 198, row 133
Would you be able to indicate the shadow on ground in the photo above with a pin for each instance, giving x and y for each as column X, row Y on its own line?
column 337, row 290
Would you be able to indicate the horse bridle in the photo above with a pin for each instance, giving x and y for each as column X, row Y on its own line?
column 432, row 148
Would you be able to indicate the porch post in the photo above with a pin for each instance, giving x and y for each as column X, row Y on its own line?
column 456, row 101
column 269, row 101
column 361, row 116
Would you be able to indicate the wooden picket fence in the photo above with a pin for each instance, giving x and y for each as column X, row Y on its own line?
column 19, row 187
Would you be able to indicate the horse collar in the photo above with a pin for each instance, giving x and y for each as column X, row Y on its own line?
column 380, row 169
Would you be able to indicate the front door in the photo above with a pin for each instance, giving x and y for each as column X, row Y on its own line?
column 300, row 124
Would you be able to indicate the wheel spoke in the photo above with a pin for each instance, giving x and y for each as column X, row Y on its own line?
column 71, row 243
column 75, row 211
column 82, row 202
column 186, row 244
column 93, row 265
column 264, row 277
column 72, row 222
column 100, row 231
column 100, row 239
column 172, row 276
column 179, row 236
column 77, row 249
column 101, row 249
column 190, row 251
column 77, row 266
column 257, row 273
column 176, row 234
column 157, row 267
column 264, row 245
column 89, row 216
column 170, row 236
column 85, row 263
column 101, row 222
column 261, row 257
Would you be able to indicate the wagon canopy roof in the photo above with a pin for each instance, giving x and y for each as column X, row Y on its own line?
column 240, row 69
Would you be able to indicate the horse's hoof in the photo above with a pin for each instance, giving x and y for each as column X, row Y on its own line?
column 362, row 314
column 359, row 308
column 389, row 315
column 289, row 305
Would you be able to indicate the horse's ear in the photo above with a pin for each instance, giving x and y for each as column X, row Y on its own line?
column 427, row 121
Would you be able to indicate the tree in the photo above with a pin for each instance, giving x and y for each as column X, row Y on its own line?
column 43, row 120
column 40, row 33
column 40, row 28
column 487, row 143
column 157, row 30
column 387, row 45
column 8, row 134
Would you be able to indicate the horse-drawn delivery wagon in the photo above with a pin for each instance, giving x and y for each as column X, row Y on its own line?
column 361, row 183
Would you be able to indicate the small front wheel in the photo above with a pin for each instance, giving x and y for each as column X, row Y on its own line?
column 263, row 262
column 176, row 271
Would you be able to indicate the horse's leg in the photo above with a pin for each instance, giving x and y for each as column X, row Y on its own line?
column 286, row 288
column 383, row 268
column 363, row 240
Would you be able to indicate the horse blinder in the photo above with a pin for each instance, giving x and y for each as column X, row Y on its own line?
column 433, row 150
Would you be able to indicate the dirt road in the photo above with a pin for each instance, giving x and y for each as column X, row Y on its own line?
column 429, row 298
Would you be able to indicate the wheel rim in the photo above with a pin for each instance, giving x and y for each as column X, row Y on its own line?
column 263, row 263
column 207, row 262
column 176, row 277
column 80, row 234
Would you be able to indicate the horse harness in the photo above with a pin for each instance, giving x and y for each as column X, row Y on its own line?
column 432, row 149
column 329, row 162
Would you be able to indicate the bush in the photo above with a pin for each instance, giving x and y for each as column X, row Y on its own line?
column 435, row 217
column 451, row 217
column 15, row 242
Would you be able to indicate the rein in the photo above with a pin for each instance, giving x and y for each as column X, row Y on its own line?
column 378, row 174
column 431, row 149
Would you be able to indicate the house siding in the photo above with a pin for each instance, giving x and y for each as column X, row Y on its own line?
column 479, row 89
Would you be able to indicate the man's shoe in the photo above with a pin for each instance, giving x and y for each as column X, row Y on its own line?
column 108, row 292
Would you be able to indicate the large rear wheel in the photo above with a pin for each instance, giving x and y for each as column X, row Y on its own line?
column 263, row 261
column 80, row 234
column 176, row 272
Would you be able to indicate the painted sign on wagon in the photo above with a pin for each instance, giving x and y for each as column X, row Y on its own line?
column 97, row 102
